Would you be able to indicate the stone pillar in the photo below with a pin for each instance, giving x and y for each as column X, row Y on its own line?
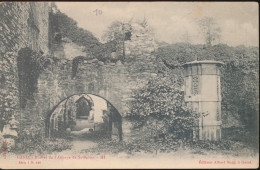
column 203, row 94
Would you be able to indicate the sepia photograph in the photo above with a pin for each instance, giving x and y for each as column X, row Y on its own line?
column 125, row 85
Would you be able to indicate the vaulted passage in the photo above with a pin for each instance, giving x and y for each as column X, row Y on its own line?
column 85, row 114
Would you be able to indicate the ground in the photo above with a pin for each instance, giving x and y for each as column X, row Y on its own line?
column 87, row 144
column 92, row 151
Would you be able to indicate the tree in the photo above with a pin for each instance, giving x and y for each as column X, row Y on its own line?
column 118, row 32
column 114, row 32
column 210, row 29
column 239, row 81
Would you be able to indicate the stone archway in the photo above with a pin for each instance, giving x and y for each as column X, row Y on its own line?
column 86, row 113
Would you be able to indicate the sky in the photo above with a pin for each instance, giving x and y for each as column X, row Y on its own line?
column 171, row 21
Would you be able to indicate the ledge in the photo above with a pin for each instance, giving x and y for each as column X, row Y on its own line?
column 203, row 62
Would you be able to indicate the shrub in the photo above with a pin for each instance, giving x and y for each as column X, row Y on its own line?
column 159, row 108
column 32, row 140
column 37, row 144
column 57, row 145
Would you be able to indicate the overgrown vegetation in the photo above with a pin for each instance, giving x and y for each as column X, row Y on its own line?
column 64, row 26
column 239, row 81
column 33, row 140
column 160, row 111
column 75, row 64
column 159, row 108
column 144, row 145
column 30, row 64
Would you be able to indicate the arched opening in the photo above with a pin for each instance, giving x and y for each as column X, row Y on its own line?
column 83, row 108
column 84, row 113
column 29, row 64
column 28, row 74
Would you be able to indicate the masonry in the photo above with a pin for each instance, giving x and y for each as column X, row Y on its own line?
column 21, row 27
column 29, row 54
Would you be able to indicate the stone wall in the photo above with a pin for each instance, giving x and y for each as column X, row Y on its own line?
column 23, row 24
column 112, row 81
column 67, row 50
column 17, row 19
column 26, row 25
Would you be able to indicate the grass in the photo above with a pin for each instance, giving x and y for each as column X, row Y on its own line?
column 139, row 143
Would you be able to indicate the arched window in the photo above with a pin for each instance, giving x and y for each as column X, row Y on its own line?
column 83, row 108
column 28, row 75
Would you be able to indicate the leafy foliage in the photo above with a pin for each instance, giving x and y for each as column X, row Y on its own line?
column 146, row 145
column 75, row 64
column 239, row 81
column 33, row 141
column 143, row 145
column 64, row 26
column 160, row 109
column 159, row 106
column 30, row 64
column 114, row 32
column 240, row 91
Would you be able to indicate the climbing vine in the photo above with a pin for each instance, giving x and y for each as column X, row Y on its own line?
column 75, row 63
column 30, row 64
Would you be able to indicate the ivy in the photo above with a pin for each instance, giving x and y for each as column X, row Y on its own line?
column 30, row 64
column 159, row 107
column 75, row 63
column 239, row 79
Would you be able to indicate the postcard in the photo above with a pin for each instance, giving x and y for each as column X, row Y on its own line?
column 129, row 85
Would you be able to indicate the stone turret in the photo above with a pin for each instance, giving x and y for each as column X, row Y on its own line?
column 203, row 94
